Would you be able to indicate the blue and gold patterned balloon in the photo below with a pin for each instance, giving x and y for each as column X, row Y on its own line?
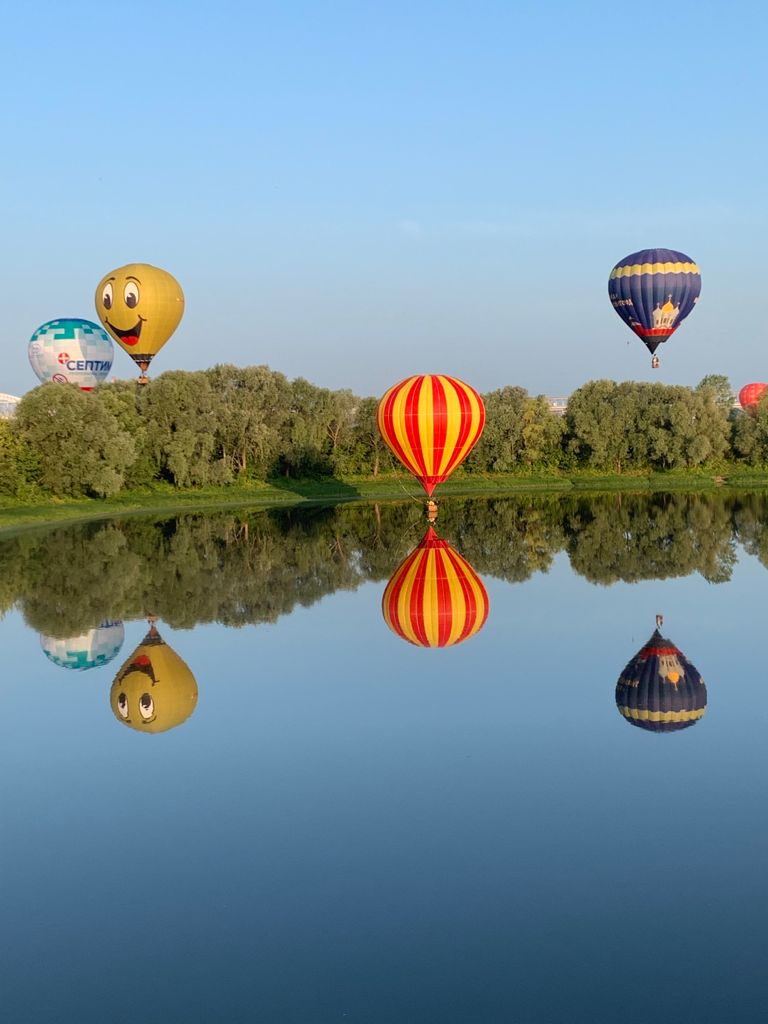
column 653, row 291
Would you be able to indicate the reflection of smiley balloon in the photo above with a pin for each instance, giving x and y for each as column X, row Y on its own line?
column 141, row 307
column 154, row 690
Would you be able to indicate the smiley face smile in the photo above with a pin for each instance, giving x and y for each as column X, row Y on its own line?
column 130, row 336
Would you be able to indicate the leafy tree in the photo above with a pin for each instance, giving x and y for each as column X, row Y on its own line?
column 501, row 443
column 749, row 434
column 680, row 428
column 123, row 399
column 80, row 446
column 721, row 390
column 360, row 449
column 309, row 422
column 180, row 416
column 542, row 434
column 600, row 421
column 250, row 409
column 18, row 462
column 746, row 439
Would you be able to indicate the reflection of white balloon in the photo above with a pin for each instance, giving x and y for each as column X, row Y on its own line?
column 96, row 647
column 71, row 352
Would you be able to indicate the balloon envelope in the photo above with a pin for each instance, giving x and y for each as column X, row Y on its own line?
column 749, row 396
column 96, row 647
column 141, row 306
column 653, row 291
column 435, row 598
column 659, row 689
column 154, row 690
column 71, row 351
column 431, row 422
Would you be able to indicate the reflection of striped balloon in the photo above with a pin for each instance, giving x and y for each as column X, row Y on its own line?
column 750, row 394
column 653, row 291
column 660, row 689
column 435, row 598
column 431, row 423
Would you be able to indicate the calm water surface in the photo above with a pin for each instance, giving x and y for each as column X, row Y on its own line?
column 324, row 822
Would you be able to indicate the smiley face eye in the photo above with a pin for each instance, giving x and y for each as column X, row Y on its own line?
column 122, row 705
column 146, row 706
column 131, row 295
column 106, row 296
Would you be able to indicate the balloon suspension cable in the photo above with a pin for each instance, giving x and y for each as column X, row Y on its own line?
column 413, row 497
column 396, row 471
column 406, row 536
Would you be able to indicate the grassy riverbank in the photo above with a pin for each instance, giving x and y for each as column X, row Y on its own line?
column 18, row 514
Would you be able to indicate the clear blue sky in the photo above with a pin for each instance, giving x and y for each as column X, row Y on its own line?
column 353, row 192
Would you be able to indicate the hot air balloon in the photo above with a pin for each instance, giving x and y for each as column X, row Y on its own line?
column 96, row 647
column 749, row 396
column 154, row 690
column 653, row 291
column 141, row 307
column 435, row 598
column 660, row 690
column 71, row 351
column 431, row 422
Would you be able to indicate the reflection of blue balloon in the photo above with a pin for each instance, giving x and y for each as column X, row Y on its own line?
column 660, row 689
column 96, row 647
column 653, row 291
column 71, row 352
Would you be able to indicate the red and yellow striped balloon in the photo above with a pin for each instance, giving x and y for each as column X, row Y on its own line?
column 435, row 598
column 431, row 423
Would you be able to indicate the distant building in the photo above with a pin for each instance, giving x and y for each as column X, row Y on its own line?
column 557, row 405
column 8, row 405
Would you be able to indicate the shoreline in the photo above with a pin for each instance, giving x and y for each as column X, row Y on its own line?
column 17, row 515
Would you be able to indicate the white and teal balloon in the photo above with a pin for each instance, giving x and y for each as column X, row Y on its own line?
column 96, row 647
column 71, row 351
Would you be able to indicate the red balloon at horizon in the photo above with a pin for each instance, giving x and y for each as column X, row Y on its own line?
column 750, row 395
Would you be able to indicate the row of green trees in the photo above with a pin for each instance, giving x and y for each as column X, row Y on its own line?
column 248, row 567
column 230, row 424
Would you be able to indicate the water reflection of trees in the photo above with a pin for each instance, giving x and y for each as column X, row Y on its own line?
column 643, row 537
column 248, row 567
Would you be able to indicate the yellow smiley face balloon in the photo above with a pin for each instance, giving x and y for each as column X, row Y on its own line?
column 141, row 307
column 154, row 690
